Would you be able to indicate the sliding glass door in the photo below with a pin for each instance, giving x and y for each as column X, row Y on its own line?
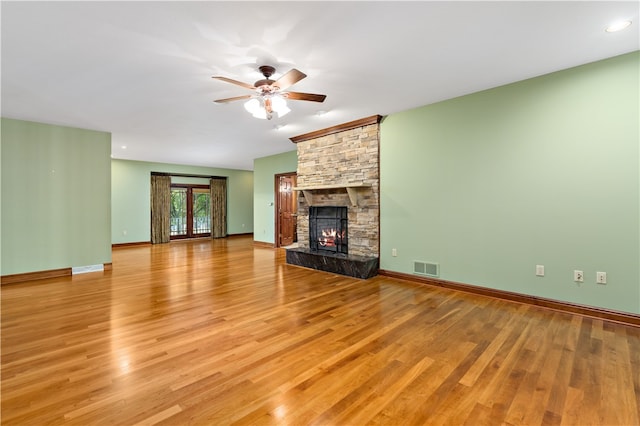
column 190, row 211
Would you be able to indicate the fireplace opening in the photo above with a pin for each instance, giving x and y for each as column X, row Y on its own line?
column 328, row 229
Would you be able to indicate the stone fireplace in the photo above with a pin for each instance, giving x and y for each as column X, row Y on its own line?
column 338, row 180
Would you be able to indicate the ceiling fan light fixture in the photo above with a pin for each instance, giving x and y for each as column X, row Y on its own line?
column 259, row 107
column 270, row 95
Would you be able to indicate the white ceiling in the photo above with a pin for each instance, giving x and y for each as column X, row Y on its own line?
column 142, row 70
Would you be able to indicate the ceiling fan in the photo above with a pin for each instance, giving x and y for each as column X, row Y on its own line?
column 271, row 94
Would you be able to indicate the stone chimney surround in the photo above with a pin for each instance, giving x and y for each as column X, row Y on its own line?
column 339, row 166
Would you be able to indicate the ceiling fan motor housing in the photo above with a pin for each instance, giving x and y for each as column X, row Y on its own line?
column 267, row 71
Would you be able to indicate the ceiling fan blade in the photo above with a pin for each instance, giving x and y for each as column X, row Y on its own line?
column 236, row 98
column 297, row 96
column 290, row 78
column 239, row 83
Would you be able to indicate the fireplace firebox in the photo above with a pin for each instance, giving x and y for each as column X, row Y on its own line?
column 328, row 231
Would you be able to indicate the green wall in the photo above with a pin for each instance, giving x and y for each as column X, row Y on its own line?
column 56, row 202
column 264, row 171
column 130, row 197
column 544, row 171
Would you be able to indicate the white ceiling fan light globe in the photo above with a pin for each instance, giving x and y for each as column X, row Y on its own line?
column 254, row 107
column 279, row 105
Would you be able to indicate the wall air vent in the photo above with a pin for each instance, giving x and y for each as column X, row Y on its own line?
column 426, row 268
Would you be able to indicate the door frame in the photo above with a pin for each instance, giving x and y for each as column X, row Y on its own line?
column 276, row 212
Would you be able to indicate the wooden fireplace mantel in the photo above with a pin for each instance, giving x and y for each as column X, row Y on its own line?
column 374, row 119
column 352, row 190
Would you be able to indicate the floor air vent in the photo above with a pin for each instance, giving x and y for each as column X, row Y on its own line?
column 426, row 268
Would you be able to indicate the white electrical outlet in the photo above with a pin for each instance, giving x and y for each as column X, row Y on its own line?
column 578, row 276
column 394, row 252
column 540, row 270
column 601, row 277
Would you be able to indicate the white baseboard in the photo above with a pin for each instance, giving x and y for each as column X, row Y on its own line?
column 89, row 268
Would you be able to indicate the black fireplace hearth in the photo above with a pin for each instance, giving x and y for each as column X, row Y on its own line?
column 349, row 265
column 329, row 245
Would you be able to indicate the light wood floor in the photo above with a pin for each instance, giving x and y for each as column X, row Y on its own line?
column 224, row 332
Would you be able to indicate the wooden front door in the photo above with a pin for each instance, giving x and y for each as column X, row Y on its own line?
column 286, row 209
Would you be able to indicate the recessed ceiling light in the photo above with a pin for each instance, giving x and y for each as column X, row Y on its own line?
column 617, row 26
column 123, row 147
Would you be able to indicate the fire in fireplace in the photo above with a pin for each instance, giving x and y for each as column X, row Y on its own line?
column 328, row 229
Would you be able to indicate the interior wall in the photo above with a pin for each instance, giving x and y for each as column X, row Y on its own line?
column 540, row 172
column 264, row 171
column 56, row 202
column 131, row 195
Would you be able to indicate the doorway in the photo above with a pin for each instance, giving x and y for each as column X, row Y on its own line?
column 190, row 211
column 286, row 209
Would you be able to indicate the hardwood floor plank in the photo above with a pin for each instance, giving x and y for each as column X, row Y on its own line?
column 162, row 415
column 528, row 396
column 225, row 332
column 483, row 361
column 624, row 382
column 385, row 394
column 561, row 379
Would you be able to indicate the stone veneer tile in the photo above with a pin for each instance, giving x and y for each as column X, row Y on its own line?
column 351, row 156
